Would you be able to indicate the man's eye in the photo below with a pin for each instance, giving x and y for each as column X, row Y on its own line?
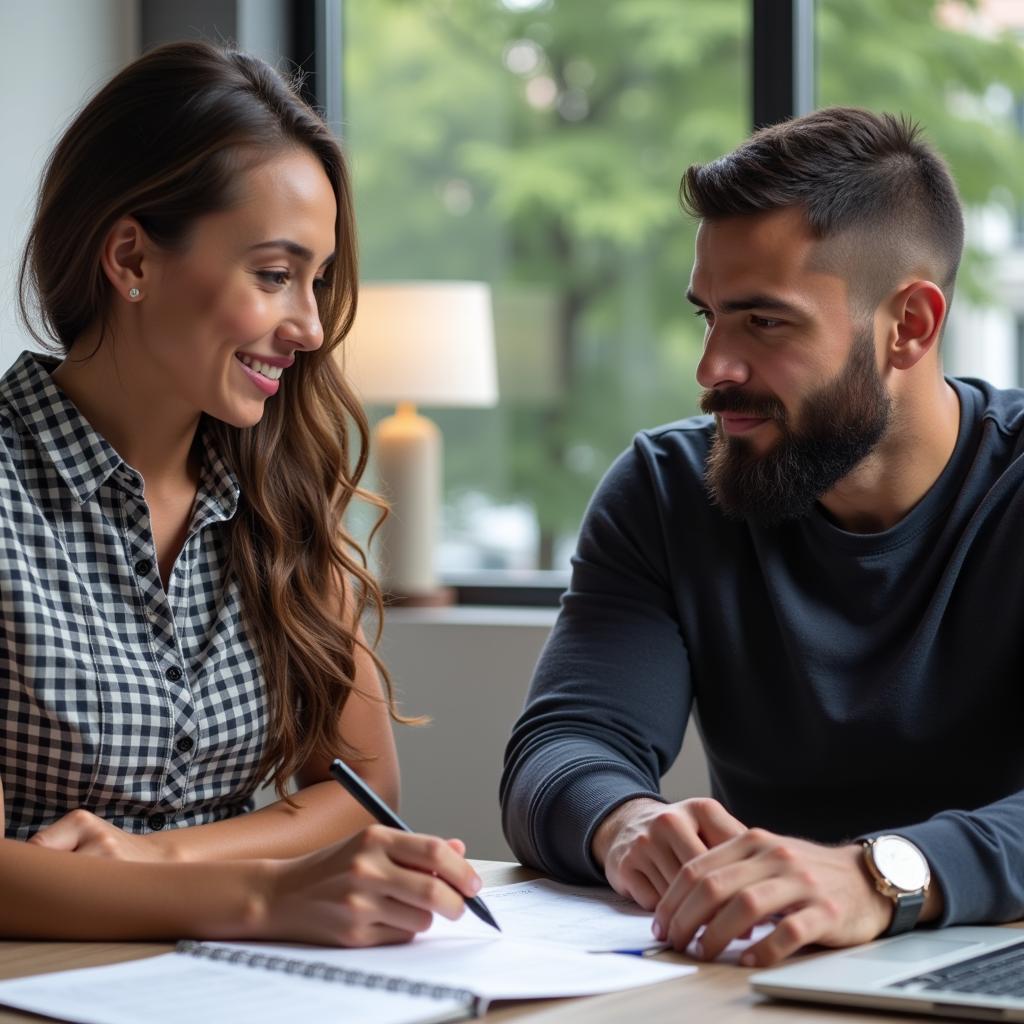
column 704, row 314
column 765, row 322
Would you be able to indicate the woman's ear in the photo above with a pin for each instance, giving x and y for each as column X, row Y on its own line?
column 920, row 311
column 124, row 259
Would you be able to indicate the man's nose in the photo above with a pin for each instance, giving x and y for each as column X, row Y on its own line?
column 722, row 363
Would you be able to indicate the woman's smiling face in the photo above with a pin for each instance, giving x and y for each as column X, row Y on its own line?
column 223, row 318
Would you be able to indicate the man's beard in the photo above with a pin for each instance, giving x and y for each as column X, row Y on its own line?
column 840, row 424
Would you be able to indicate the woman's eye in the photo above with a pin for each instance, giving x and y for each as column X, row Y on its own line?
column 275, row 277
column 319, row 284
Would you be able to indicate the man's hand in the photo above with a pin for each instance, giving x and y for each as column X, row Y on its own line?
column 643, row 844
column 81, row 831
column 817, row 894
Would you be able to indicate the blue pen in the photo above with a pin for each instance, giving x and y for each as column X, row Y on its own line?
column 358, row 788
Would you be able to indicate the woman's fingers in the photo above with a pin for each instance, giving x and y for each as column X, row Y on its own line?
column 68, row 833
column 381, row 886
column 433, row 856
column 428, row 893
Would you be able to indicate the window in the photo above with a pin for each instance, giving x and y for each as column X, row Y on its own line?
column 538, row 145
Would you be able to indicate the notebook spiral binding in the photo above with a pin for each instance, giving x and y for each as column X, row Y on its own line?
column 327, row 972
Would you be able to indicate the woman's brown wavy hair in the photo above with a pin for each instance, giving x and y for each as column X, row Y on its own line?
column 166, row 141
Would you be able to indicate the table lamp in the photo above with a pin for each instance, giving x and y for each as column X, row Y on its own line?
column 418, row 342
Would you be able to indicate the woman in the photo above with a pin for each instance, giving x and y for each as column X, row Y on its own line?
column 179, row 601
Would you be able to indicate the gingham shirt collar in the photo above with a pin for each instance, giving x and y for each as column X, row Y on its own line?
column 84, row 459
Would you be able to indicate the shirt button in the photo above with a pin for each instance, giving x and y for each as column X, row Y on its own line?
column 157, row 822
column 142, row 566
column 184, row 745
column 173, row 673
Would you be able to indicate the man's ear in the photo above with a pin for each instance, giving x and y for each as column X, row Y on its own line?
column 124, row 259
column 918, row 311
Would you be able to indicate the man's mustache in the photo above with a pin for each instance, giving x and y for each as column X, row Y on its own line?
column 734, row 400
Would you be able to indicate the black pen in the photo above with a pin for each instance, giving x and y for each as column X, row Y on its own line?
column 358, row 788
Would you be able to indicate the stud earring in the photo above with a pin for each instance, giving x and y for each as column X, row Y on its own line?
column 134, row 293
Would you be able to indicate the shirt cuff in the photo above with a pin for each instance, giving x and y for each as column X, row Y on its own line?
column 585, row 795
column 958, row 864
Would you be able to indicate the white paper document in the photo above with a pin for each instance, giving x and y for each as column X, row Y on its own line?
column 732, row 953
column 590, row 918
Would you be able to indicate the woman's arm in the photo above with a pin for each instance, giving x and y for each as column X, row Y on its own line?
column 51, row 894
column 324, row 812
column 381, row 886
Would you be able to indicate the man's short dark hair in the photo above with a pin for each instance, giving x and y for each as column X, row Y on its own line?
column 867, row 181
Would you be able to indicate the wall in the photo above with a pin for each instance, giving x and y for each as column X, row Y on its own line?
column 53, row 55
column 469, row 669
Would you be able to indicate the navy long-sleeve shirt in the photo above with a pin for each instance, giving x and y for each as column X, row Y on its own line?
column 846, row 684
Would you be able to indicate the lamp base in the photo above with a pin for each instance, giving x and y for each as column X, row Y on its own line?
column 408, row 457
column 440, row 597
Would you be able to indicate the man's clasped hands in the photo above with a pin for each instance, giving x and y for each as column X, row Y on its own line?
column 694, row 864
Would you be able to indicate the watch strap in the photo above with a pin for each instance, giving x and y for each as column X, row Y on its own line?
column 907, row 908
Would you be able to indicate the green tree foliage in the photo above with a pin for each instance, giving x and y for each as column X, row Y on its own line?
column 960, row 86
column 539, row 146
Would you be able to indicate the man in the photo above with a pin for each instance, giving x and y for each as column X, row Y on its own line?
column 830, row 568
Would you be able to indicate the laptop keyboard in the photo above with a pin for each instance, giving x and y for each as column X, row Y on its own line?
column 1000, row 973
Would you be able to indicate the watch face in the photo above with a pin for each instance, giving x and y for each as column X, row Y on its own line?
column 900, row 862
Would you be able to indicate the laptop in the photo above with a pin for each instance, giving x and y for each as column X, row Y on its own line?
column 976, row 973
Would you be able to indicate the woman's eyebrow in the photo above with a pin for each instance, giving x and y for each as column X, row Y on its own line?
column 300, row 251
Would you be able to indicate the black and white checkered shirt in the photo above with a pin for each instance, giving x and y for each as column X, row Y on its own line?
column 144, row 707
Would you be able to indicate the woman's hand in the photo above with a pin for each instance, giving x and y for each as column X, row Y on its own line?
column 81, row 831
column 381, row 886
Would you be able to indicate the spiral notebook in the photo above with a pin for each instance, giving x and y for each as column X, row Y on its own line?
column 417, row 983
column 208, row 983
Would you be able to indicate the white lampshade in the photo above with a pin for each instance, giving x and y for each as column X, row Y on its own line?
column 427, row 342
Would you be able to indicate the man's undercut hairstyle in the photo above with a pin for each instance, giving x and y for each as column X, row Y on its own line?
column 870, row 187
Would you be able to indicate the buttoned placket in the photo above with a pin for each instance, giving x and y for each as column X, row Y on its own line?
column 159, row 606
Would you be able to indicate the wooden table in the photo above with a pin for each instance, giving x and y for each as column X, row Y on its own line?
column 717, row 992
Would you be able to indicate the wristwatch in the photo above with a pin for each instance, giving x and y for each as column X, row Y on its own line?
column 900, row 872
